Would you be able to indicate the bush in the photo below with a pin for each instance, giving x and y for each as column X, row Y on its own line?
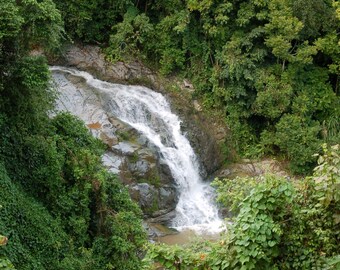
column 299, row 138
column 64, row 211
column 281, row 224
column 36, row 239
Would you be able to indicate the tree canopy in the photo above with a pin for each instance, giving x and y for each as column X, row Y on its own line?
column 266, row 64
column 270, row 66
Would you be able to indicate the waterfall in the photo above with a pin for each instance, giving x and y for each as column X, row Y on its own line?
column 149, row 113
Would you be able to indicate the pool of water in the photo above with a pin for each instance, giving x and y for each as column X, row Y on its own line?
column 185, row 237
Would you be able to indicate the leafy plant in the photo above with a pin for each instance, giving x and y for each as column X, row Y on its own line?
column 280, row 224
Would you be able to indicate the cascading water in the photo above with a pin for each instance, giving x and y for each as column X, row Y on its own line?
column 149, row 113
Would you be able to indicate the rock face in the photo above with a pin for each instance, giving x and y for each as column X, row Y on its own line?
column 92, row 60
column 129, row 154
column 252, row 168
column 154, row 201
column 205, row 134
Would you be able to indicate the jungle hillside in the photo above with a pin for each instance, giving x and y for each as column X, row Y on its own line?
column 271, row 68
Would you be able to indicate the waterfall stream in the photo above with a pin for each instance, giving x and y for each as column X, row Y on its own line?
column 149, row 113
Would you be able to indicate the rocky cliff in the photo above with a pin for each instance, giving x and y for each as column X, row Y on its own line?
column 129, row 154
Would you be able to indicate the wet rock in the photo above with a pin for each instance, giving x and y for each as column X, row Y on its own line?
column 168, row 197
column 164, row 219
column 147, row 154
column 154, row 202
column 145, row 194
column 224, row 173
column 109, row 140
column 155, row 230
column 143, row 140
column 117, row 124
column 165, row 173
column 136, row 164
column 141, row 168
column 125, row 148
column 112, row 162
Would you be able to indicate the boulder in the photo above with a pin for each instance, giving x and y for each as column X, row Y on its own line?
column 155, row 230
column 112, row 162
column 164, row 218
column 125, row 148
column 154, row 202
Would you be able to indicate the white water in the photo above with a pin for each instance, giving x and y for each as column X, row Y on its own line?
column 149, row 113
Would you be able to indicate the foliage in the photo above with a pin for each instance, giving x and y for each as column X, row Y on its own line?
column 36, row 240
column 29, row 24
column 59, row 202
column 327, row 178
column 10, row 20
column 237, row 189
column 91, row 20
column 27, row 82
column 5, row 264
column 280, row 224
column 69, row 189
column 43, row 26
column 257, row 231
column 198, row 256
column 298, row 137
column 130, row 35
column 256, row 61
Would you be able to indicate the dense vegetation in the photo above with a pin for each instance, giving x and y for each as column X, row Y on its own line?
column 270, row 66
column 60, row 209
column 278, row 224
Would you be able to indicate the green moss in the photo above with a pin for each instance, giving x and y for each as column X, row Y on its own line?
column 134, row 158
column 123, row 135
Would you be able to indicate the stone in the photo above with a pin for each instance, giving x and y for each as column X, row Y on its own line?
column 168, row 197
column 252, row 168
column 140, row 168
column 155, row 230
column 95, row 125
column 224, row 173
column 154, row 201
column 165, row 173
column 110, row 141
column 144, row 194
column 125, row 148
column 147, row 154
column 143, row 140
column 197, row 106
column 164, row 219
column 112, row 162
column 187, row 84
column 117, row 124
